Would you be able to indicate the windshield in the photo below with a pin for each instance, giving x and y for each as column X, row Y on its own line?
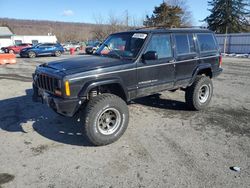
column 38, row 44
column 122, row 45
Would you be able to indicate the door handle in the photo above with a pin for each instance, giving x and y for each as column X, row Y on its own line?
column 196, row 57
column 171, row 61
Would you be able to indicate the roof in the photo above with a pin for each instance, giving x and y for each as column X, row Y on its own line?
column 168, row 30
column 233, row 34
column 5, row 31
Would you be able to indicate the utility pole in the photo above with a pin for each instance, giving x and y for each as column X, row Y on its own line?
column 225, row 41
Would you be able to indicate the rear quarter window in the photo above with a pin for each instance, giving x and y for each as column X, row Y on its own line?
column 206, row 42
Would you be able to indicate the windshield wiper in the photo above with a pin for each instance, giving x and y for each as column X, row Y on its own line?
column 115, row 52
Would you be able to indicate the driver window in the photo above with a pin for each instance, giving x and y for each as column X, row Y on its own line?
column 161, row 44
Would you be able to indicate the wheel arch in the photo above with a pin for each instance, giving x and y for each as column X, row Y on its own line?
column 205, row 69
column 114, row 85
column 33, row 52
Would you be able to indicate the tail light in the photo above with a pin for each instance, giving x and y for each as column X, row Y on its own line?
column 220, row 61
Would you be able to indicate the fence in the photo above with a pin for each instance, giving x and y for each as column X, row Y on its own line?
column 238, row 43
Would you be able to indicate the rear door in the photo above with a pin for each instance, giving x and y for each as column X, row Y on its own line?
column 156, row 75
column 186, row 57
column 50, row 49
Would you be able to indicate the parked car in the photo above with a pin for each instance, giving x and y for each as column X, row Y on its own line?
column 75, row 45
column 16, row 48
column 92, row 47
column 42, row 49
column 96, row 89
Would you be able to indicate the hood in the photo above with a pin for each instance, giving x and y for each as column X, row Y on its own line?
column 84, row 63
column 27, row 48
column 10, row 46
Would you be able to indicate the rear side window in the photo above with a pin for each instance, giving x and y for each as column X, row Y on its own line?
column 206, row 42
column 18, row 42
column 184, row 44
column 160, row 43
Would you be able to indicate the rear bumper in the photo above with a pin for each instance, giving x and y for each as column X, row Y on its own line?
column 217, row 72
column 65, row 107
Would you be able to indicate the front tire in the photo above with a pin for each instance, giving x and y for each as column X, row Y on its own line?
column 199, row 94
column 32, row 54
column 106, row 119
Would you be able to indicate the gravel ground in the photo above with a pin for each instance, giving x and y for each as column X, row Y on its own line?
column 165, row 145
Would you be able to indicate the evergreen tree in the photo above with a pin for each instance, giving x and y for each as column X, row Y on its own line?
column 165, row 15
column 228, row 16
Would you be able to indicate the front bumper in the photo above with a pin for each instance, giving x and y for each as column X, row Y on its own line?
column 23, row 54
column 65, row 107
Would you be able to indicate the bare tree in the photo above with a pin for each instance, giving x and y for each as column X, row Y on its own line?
column 99, row 30
column 112, row 24
column 187, row 16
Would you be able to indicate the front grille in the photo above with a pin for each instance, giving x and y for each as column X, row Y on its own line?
column 47, row 83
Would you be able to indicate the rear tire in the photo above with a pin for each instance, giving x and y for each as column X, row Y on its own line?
column 199, row 94
column 32, row 54
column 58, row 53
column 106, row 119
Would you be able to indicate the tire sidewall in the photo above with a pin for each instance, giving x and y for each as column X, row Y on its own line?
column 91, row 123
column 208, row 82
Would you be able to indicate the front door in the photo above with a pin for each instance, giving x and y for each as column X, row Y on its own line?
column 156, row 75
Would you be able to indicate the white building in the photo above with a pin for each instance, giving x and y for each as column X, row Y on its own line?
column 7, row 38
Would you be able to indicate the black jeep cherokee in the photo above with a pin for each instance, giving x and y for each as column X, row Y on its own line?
column 129, row 65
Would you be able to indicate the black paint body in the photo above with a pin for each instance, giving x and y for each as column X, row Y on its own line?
column 136, row 77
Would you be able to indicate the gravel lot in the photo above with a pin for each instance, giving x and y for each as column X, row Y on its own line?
column 165, row 145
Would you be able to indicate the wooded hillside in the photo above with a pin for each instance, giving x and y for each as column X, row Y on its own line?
column 64, row 31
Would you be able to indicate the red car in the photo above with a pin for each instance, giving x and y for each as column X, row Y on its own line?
column 16, row 48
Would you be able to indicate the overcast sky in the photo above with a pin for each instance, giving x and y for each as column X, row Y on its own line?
column 88, row 10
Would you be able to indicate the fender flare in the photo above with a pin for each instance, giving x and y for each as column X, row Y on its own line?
column 92, row 84
column 198, row 69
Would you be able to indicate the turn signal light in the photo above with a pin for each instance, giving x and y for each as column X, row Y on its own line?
column 67, row 88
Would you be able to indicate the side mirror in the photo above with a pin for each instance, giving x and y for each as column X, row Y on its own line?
column 150, row 55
